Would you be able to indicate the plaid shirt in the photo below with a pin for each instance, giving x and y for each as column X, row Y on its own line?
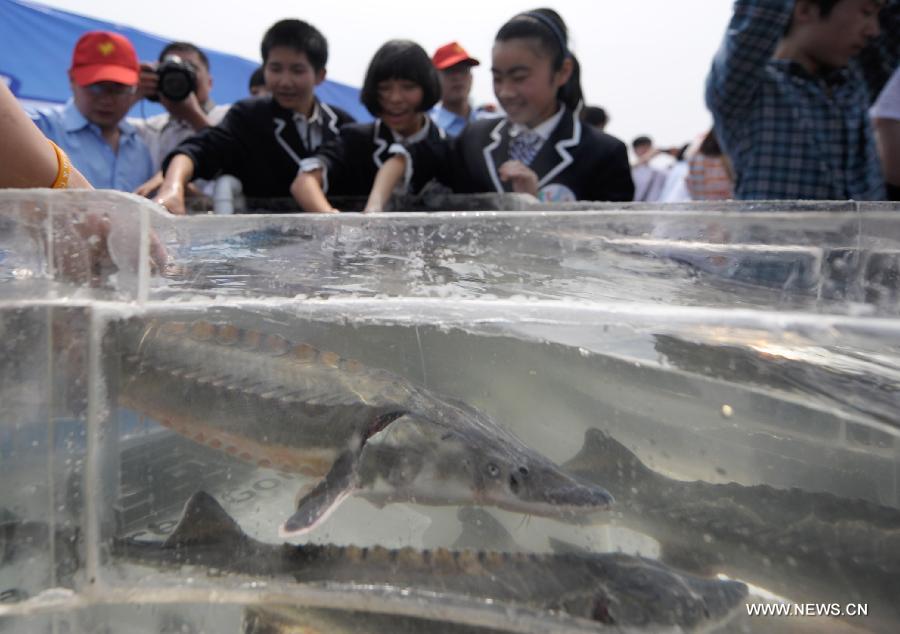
column 789, row 134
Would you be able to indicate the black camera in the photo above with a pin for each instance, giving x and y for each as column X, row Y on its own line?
column 177, row 79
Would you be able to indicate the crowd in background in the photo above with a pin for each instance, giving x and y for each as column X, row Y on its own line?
column 804, row 95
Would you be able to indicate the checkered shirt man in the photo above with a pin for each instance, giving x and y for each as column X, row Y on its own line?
column 791, row 135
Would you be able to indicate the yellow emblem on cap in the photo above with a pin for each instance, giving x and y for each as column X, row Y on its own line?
column 106, row 48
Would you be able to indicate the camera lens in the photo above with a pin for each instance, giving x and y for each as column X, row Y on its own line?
column 177, row 78
column 175, row 86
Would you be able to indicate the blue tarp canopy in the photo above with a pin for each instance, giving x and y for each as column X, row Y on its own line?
column 36, row 45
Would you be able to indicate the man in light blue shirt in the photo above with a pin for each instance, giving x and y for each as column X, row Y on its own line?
column 91, row 127
column 454, row 67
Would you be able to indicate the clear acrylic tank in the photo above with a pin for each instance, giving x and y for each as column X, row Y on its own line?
column 729, row 373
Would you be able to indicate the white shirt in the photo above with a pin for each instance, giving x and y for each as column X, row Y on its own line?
column 415, row 136
column 311, row 129
column 543, row 130
column 888, row 104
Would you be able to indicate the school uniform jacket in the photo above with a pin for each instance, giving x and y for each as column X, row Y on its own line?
column 257, row 142
column 576, row 162
column 352, row 160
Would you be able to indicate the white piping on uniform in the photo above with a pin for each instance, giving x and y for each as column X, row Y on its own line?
column 332, row 122
column 489, row 160
column 561, row 149
column 380, row 143
column 279, row 126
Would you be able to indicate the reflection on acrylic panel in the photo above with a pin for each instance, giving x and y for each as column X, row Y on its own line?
column 518, row 422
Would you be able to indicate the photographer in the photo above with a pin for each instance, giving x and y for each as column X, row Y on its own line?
column 181, row 82
column 91, row 128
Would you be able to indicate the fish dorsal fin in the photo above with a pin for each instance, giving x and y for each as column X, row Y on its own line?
column 204, row 522
column 604, row 456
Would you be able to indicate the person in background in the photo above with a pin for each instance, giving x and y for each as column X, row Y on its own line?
column 257, row 86
column 790, row 96
column 91, row 128
column 710, row 175
column 540, row 147
column 183, row 118
column 455, row 110
column 675, row 189
column 886, row 116
column 400, row 87
column 595, row 116
column 649, row 179
column 263, row 140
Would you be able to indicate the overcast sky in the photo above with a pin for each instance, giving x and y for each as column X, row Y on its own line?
column 643, row 60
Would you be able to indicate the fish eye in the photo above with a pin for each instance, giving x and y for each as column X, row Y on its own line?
column 492, row 470
column 523, row 471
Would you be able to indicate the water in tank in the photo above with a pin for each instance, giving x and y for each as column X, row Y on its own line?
column 571, row 419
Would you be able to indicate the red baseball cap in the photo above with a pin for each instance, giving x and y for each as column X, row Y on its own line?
column 450, row 55
column 104, row 56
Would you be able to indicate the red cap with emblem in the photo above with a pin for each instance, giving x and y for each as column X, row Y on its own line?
column 450, row 55
column 104, row 56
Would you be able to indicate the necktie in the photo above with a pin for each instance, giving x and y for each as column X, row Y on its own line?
column 524, row 146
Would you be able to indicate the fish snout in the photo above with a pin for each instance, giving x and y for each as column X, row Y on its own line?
column 551, row 492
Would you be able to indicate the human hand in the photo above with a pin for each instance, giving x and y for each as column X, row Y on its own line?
column 171, row 197
column 373, row 208
column 151, row 186
column 90, row 248
column 524, row 179
column 188, row 109
column 148, row 82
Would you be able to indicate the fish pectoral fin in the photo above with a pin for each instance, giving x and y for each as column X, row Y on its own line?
column 314, row 507
column 204, row 521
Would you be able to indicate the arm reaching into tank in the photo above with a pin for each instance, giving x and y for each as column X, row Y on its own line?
column 307, row 191
column 178, row 174
column 27, row 158
column 386, row 181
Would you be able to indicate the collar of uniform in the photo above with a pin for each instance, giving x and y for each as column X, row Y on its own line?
column 543, row 130
column 415, row 137
column 75, row 121
column 315, row 118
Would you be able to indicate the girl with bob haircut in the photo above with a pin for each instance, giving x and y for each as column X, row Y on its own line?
column 400, row 87
column 540, row 147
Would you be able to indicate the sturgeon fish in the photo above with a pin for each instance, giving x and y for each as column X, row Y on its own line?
column 612, row 589
column 363, row 431
column 810, row 547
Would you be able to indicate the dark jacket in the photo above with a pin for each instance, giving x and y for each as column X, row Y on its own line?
column 577, row 162
column 353, row 159
column 257, row 142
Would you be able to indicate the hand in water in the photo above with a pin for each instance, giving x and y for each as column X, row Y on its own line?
column 151, row 186
column 172, row 198
column 93, row 246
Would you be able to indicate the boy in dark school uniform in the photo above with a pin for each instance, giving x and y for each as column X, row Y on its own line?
column 263, row 141
column 540, row 147
column 400, row 87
